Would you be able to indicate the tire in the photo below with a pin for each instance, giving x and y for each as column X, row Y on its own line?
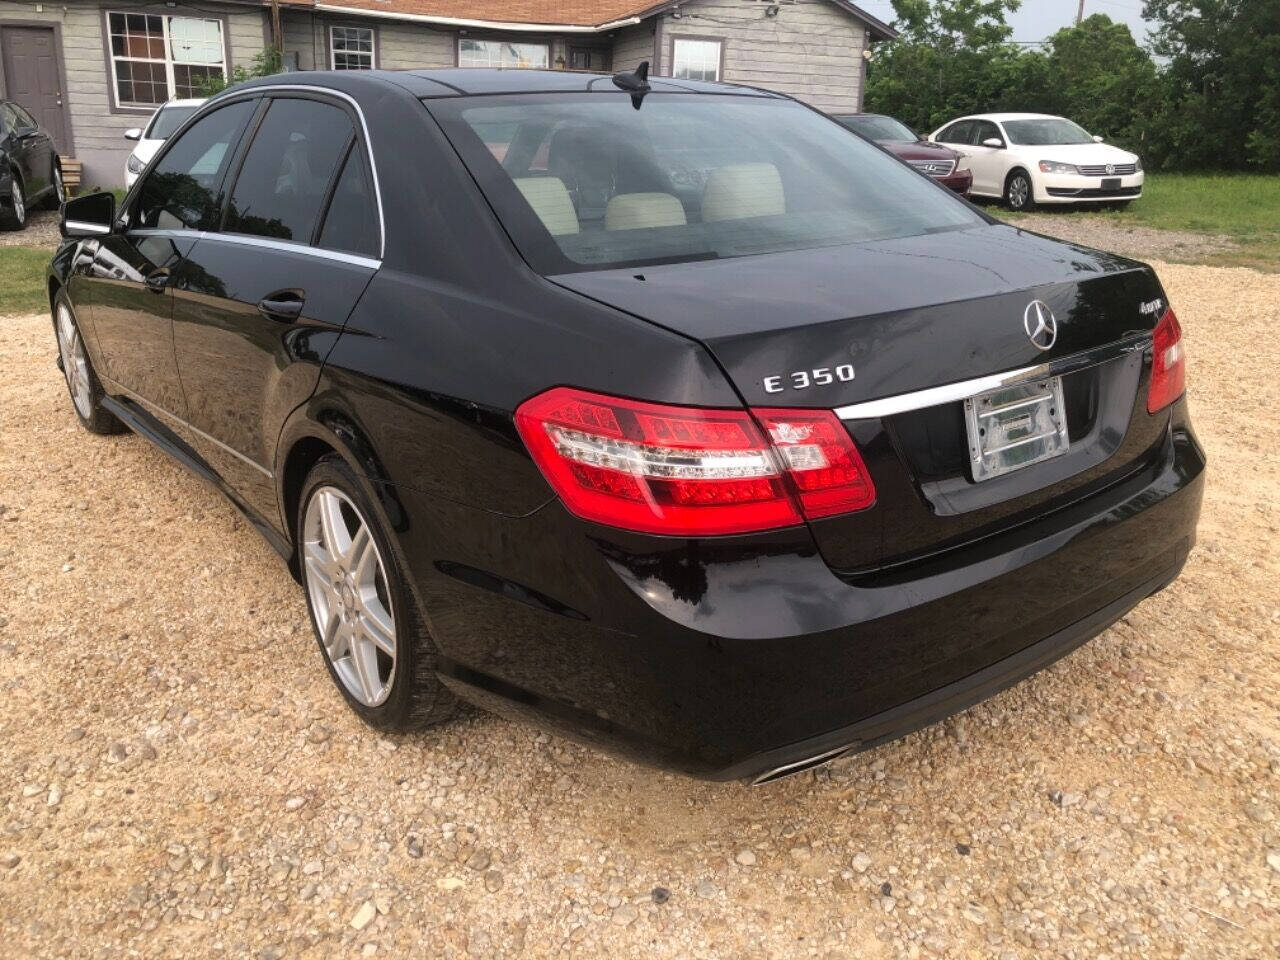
column 56, row 197
column 14, row 216
column 77, row 369
column 1019, row 194
column 350, row 603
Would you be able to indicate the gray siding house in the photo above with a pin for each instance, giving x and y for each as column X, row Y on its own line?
column 90, row 70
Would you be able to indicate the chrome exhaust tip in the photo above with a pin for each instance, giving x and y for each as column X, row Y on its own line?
column 799, row 766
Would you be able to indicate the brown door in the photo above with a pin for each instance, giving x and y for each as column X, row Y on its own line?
column 33, row 79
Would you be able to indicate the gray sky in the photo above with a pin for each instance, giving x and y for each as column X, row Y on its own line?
column 1040, row 18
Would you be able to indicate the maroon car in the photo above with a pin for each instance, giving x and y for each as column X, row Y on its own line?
column 937, row 161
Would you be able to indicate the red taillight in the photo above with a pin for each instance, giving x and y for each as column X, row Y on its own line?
column 1169, row 367
column 691, row 472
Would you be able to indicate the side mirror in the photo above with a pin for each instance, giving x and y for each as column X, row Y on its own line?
column 1097, row 139
column 91, row 216
column 994, row 142
column 133, row 133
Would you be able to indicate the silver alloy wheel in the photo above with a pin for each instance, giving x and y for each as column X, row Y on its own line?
column 74, row 364
column 1019, row 189
column 59, row 190
column 19, row 205
column 349, row 596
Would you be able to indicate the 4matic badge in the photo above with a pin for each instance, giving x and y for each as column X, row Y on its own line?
column 803, row 379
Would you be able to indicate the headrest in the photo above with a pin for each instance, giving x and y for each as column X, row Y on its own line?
column 632, row 211
column 743, row 190
column 550, row 201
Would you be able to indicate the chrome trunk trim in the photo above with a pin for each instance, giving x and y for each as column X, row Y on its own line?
column 963, row 389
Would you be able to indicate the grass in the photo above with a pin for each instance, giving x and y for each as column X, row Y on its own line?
column 1243, row 207
column 22, row 288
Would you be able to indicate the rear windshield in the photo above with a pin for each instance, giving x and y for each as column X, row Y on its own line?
column 167, row 120
column 588, row 182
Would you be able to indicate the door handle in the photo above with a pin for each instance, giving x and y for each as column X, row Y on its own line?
column 158, row 281
column 284, row 306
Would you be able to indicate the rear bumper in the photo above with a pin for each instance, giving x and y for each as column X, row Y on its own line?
column 729, row 658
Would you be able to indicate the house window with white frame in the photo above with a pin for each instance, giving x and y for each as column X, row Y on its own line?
column 351, row 48
column 502, row 53
column 695, row 59
column 156, row 57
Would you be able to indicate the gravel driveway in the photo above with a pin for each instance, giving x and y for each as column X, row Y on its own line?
column 179, row 777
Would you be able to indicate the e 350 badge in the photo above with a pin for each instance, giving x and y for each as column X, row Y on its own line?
column 803, row 379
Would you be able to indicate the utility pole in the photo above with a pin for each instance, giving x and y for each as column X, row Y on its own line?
column 277, row 35
column 1080, row 13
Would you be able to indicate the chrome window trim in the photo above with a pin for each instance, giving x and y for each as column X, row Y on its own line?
column 247, row 240
column 963, row 389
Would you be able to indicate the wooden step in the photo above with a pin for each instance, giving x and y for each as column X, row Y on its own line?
column 71, row 170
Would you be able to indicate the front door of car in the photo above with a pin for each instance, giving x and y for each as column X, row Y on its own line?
column 259, row 302
column 987, row 163
column 127, row 287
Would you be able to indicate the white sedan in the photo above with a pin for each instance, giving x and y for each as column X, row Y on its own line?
column 1031, row 158
column 162, row 123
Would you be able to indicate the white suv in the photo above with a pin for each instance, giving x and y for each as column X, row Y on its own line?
column 1030, row 158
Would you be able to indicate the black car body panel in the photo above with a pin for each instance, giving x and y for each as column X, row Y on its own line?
column 722, row 656
column 27, row 151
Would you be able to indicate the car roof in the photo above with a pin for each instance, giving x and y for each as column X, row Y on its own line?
column 467, row 81
column 1000, row 117
column 190, row 102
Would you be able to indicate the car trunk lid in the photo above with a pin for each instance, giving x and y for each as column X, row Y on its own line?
column 841, row 327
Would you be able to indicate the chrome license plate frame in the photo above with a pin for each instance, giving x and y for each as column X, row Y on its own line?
column 1015, row 426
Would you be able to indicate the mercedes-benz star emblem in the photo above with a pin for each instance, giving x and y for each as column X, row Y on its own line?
column 1040, row 324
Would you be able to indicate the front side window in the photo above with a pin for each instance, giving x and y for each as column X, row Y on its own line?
column 351, row 48
column 987, row 131
column 181, row 191
column 695, row 59
column 1050, row 131
column 501, row 53
column 281, row 187
column 587, row 181
column 961, row 132
column 156, row 57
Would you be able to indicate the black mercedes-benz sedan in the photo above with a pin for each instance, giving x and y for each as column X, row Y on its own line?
column 669, row 414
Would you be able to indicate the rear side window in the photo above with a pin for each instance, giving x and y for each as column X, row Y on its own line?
column 352, row 221
column 282, row 184
column 182, row 191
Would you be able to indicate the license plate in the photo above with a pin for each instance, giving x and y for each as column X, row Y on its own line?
column 1015, row 426
column 1111, row 183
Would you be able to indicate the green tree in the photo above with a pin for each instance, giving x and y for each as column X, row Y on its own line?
column 1099, row 76
column 951, row 57
column 1221, row 83
column 264, row 64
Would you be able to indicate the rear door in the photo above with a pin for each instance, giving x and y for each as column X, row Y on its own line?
column 260, row 301
column 38, row 148
column 127, row 286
